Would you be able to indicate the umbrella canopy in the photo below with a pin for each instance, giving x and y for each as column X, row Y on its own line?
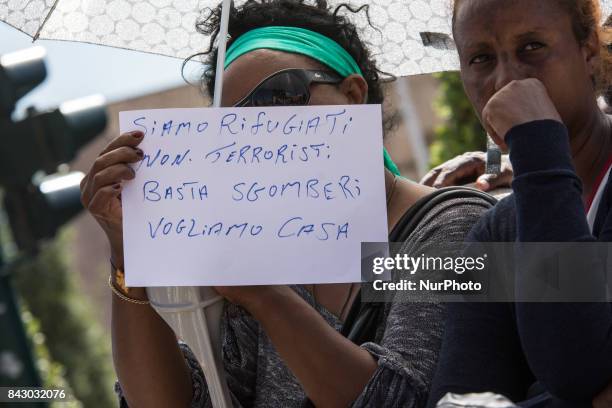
column 408, row 41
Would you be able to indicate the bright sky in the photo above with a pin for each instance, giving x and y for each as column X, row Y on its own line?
column 76, row 70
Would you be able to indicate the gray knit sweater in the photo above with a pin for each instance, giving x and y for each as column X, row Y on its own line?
column 406, row 346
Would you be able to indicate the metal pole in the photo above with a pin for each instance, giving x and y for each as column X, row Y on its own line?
column 222, row 41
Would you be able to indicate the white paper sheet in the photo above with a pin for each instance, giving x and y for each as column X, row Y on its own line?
column 253, row 196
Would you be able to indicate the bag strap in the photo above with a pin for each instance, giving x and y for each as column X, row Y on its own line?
column 359, row 326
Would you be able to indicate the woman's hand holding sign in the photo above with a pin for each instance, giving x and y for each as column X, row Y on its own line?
column 518, row 102
column 101, row 188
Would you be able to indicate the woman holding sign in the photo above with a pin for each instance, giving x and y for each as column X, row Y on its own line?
column 282, row 345
column 532, row 70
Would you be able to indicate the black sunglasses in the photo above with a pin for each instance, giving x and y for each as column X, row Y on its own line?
column 289, row 87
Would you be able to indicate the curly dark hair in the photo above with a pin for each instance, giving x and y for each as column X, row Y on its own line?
column 313, row 15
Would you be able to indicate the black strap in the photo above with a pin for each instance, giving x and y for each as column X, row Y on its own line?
column 360, row 324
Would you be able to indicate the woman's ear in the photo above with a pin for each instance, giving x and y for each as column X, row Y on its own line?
column 355, row 88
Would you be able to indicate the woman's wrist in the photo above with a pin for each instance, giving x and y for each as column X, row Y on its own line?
column 539, row 146
column 116, row 258
column 117, row 279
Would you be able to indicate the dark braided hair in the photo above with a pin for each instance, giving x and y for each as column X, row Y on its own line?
column 314, row 15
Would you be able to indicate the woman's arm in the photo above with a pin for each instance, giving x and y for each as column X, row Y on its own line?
column 146, row 354
column 481, row 350
column 335, row 372
column 394, row 371
column 171, row 359
column 406, row 356
column 547, row 191
column 148, row 361
column 332, row 370
column 568, row 345
column 153, row 369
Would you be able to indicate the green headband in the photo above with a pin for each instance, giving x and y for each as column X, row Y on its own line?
column 300, row 41
column 296, row 40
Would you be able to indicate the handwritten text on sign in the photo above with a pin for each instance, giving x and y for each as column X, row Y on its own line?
column 253, row 196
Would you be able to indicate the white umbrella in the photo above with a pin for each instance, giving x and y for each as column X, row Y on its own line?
column 167, row 27
column 412, row 37
column 404, row 45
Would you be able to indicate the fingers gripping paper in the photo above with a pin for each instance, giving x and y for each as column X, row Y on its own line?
column 253, row 195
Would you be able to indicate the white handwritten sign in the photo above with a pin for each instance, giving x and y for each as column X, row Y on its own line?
column 253, row 196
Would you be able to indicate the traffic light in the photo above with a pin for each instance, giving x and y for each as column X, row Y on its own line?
column 20, row 72
column 37, row 198
column 37, row 210
column 39, row 143
column 42, row 140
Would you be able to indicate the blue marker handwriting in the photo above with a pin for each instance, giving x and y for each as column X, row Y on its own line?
column 335, row 122
column 345, row 187
column 169, row 127
column 296, row 227
column 161, row 158
column 292, row 228
column 153, row 191
column 232, row 153
column 192, row 228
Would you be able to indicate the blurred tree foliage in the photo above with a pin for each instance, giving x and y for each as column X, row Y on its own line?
column 462, row 131
column 51, row 372
column 74, row 338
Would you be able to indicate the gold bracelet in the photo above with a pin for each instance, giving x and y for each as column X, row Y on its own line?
column 122, row 296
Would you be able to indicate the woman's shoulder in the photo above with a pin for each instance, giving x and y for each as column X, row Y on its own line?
column 450, row 219
column 439, row 220
column 498, row 224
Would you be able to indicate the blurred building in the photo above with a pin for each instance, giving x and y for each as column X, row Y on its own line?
column 422, row 91
column 89, row 250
